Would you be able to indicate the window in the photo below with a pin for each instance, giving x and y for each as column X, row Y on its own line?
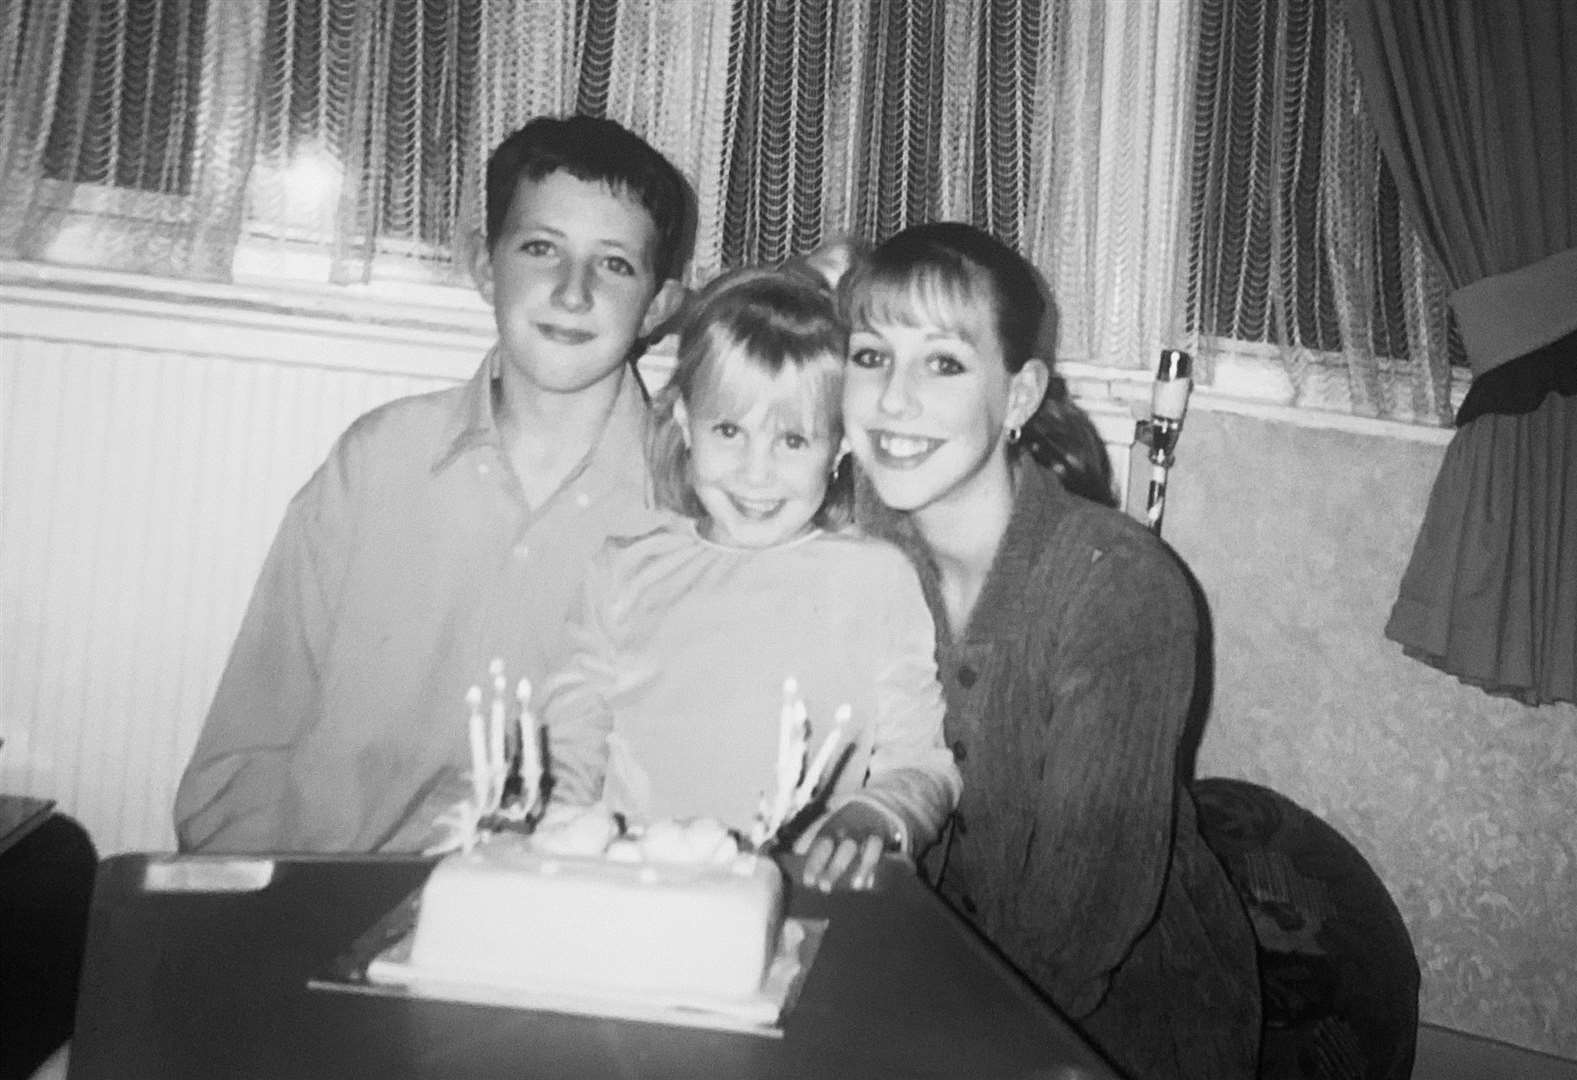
column 328, row 139
column 128, row 91
column 410, row 134
column 1296, row 236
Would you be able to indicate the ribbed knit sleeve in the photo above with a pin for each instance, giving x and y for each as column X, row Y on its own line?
column 1067, row 696
column 1116, row 697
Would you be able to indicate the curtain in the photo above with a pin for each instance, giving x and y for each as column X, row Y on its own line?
column 150, row 102
column 1476, row 109
column 342, row 141
column 1296, row 240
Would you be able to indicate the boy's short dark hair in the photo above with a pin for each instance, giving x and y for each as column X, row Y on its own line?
column 594, row 148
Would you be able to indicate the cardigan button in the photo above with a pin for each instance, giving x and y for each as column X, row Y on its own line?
column 967, row 676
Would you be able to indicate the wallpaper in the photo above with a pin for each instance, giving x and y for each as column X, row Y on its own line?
column 1466, row 805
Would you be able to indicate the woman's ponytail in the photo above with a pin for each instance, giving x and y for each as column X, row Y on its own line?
column 1061, row 436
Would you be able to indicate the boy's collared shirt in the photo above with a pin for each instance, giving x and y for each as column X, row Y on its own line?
column 405, row 565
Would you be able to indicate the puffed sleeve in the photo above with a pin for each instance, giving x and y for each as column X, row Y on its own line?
column 913, row 777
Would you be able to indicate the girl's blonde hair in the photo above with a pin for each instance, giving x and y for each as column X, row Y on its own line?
column 747, row 326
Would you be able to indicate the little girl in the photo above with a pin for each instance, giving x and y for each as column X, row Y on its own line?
column 684, row 636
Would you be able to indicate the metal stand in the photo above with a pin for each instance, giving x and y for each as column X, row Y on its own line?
column 1168, row 403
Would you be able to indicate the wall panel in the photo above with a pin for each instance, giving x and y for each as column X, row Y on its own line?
column 139, row 490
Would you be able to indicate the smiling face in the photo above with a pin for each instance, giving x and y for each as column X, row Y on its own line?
column 927, row 400
column 571, row 279
column 761, row 448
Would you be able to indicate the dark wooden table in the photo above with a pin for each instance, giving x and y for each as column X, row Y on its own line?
column 214, row 984
column 20, row 815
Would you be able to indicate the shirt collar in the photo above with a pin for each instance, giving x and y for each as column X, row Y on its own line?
column 474, row 423
column 618, row 458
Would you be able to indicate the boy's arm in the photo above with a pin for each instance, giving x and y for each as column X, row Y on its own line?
column 232, row 794
column 913, row 778
column 575, row 708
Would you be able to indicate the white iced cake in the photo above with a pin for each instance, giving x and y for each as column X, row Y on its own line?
column 678, row 913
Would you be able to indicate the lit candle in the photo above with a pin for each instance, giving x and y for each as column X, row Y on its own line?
column 478, row 740
column 530, row 751
column 791, row 752
column 497, row 766
column 834, row 739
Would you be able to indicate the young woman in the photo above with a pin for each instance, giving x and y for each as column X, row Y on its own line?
column 1066, row 638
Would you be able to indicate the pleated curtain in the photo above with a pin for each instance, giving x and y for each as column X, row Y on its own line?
column 1476, row 108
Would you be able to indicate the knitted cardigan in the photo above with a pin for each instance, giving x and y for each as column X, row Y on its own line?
column 1075, row 848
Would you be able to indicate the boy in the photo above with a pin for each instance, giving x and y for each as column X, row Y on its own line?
column 450, row 528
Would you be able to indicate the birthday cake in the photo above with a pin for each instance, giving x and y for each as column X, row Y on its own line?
column 536, row 896
column 680, row 912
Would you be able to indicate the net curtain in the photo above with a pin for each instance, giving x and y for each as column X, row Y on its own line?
column 1476, row 109
column 80, row 161
column 1057, row 125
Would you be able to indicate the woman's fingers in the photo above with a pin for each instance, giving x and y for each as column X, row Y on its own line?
column 816, row 860
column 843, row 857
column 864, row 876
column 850, row 858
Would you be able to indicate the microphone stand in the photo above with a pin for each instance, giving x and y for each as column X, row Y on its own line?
column 1168, row 403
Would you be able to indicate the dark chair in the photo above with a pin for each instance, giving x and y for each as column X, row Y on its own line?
column 1338, row 973
column 46, row 888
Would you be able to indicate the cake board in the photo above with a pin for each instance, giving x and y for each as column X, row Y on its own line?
column 378, row 963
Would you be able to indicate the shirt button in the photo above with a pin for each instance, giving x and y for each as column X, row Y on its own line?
column 968, row 904
column 582, row 500
column 483, row 469
column 967, row 676
column 522, row 550
column 960, row 751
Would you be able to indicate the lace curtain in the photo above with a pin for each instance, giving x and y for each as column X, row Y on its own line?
column 1296, row 237
column 1189, row 173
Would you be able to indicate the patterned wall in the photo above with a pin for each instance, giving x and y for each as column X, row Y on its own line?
column 1464, row 803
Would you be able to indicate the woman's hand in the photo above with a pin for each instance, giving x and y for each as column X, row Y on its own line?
column 843, row 849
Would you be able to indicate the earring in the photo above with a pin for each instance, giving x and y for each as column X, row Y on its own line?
column 1013, row 434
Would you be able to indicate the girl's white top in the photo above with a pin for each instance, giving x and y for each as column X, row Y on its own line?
column 680, row 648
